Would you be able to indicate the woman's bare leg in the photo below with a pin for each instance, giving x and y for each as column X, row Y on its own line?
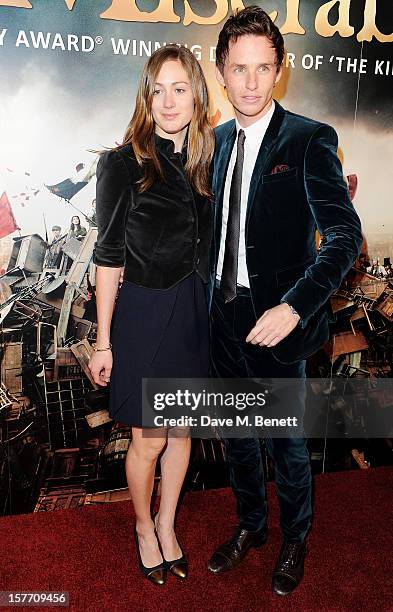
column 140, row 469
column 174, row 464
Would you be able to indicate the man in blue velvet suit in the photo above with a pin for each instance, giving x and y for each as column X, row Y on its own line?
column 276, row 179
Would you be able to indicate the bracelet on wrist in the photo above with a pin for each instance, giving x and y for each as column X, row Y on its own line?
column 293, row 311
column 99, row 350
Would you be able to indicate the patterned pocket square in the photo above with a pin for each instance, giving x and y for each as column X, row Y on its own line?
column 280, row 168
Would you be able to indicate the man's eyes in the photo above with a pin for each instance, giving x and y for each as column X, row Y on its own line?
column 262, row 69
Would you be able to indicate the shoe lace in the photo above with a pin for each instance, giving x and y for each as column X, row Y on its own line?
column 289, row 555
column 236, row 535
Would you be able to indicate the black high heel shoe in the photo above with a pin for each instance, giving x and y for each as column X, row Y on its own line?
column 177, row 567
column 156, row 574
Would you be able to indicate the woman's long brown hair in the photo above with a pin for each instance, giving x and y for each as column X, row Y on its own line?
column 141, row 129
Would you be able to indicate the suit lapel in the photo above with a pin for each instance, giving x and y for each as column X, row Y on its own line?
column 265, row 150
column 220, row 171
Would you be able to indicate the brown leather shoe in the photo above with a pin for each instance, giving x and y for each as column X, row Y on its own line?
column 289, row 569
column 233, row 551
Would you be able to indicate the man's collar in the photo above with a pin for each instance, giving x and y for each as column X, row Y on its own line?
column 255, row 132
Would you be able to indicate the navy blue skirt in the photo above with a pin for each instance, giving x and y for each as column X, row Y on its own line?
column 156, row 334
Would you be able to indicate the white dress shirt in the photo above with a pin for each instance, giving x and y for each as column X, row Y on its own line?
column 254, row 136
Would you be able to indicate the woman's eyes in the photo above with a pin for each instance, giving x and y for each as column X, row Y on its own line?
column 178, row 90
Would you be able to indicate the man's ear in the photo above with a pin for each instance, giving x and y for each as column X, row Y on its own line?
column 278, row 75
column 220, row 77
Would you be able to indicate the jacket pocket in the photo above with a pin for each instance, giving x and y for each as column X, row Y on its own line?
column 280, row 176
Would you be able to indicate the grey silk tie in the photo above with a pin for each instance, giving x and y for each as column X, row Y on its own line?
column 229, row 268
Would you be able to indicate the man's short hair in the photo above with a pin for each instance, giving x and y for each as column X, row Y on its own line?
column 250, row 20
column 56, row 228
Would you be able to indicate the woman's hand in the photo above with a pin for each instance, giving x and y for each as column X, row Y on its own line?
column 100, row 366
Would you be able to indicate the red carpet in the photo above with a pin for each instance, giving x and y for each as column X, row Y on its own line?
column 89, row 552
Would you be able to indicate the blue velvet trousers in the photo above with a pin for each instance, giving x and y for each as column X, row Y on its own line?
column 232, row 357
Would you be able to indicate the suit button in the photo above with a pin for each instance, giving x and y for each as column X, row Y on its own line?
column 198, row 240
column 198, row 261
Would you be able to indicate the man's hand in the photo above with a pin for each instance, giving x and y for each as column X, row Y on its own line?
column 274, row 325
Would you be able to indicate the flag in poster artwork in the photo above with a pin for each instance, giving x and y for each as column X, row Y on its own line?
column 8, row 224
column 71, row 186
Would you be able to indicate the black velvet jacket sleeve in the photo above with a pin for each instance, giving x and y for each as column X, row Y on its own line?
column 113, row 201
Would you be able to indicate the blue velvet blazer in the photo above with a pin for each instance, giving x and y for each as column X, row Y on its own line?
column 297, row 186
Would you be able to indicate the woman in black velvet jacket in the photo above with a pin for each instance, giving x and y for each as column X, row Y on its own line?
column 155, row 217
